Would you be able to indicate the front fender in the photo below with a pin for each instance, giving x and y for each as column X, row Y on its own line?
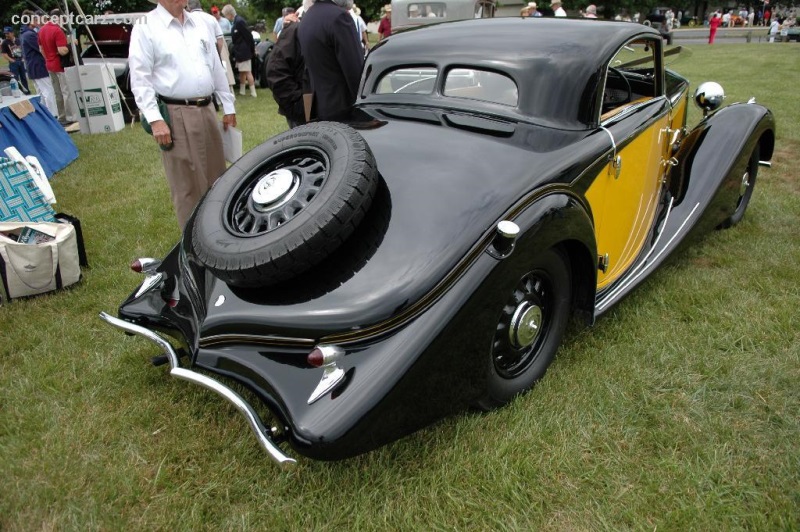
column 713, row 156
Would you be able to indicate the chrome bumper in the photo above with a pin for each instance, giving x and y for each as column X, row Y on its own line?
column 263, row 434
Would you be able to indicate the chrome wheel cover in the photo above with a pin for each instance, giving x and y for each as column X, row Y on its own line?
column 276, row 192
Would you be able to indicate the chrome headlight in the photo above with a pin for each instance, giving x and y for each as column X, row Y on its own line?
column 709, row 96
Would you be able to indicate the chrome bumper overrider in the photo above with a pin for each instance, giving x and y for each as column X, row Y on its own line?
column 263, row 434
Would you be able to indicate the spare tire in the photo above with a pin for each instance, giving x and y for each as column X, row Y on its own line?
column 285, row 205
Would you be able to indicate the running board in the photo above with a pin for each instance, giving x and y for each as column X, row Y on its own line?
column 263, row 434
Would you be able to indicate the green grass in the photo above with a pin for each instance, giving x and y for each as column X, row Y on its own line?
column 678, row 410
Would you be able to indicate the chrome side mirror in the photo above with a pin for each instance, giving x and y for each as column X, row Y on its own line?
column 709, row 96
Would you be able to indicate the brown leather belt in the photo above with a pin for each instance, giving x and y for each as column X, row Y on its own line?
column 195, row 102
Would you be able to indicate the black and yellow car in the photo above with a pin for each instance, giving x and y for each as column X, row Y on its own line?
column 499, row 177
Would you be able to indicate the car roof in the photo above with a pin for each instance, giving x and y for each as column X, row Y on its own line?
column 555, row 62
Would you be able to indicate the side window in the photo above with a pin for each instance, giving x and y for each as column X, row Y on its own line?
column 481, row 85
column 409, row 80
column 631, row 76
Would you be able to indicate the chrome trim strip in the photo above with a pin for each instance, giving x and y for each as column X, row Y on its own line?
column 633, row 273
column 613, row 144
column 427, row 300
column 262, row 433
column 251, row 339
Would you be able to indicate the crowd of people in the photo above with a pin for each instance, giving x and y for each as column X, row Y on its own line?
column 314, row 71
column 39, row 56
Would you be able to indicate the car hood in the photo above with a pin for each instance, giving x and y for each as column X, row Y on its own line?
column 442, row 189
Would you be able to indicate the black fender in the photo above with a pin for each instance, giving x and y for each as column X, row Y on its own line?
column 713, row 156
column 407, row 376
column 426, row 369
column 562, row 219
column 704, row 186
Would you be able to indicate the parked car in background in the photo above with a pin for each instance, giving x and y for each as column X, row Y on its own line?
column 657, row 19
column 259, row 65
column 363, row 280
column 412, row 13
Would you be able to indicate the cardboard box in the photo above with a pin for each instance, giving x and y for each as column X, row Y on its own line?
column 100, row 108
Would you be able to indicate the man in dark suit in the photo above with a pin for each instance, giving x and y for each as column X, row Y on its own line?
column 333, row 57
column 285, row 72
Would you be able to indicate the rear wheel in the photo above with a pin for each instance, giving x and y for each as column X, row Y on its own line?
column 746, row 186
column 529, row 330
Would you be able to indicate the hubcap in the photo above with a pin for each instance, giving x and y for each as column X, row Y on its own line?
column 277, row 192
column 525, row 325
column 274, row 189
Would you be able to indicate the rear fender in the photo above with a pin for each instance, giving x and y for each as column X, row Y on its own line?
column 430, row 367
column 562, row 220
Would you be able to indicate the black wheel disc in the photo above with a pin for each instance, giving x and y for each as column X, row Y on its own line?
column 523, row 325
column 529, row 328
column 277, row 193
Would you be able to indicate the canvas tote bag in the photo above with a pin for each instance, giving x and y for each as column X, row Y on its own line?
column 35, row 268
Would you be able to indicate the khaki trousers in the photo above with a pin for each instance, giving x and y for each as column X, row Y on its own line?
column 196, row 160
column 64, row 100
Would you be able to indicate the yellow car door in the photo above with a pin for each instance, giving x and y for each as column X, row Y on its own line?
column 624, row 195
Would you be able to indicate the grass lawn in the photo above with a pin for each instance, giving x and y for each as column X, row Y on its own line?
column 678, row 410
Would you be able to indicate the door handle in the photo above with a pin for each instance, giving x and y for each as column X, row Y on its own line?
column 616, row 165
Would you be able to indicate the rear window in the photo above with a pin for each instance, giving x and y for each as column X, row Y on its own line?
column 481, row 85
column 415, row 80
column 470, row 83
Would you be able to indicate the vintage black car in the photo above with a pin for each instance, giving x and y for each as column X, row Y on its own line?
column 366, row 279
column 657, row 19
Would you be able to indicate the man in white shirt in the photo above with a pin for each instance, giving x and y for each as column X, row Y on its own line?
column 557, row 9
column 173, row 58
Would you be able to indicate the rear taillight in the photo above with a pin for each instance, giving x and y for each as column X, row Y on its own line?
column 324, row 355
column 145, row 265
